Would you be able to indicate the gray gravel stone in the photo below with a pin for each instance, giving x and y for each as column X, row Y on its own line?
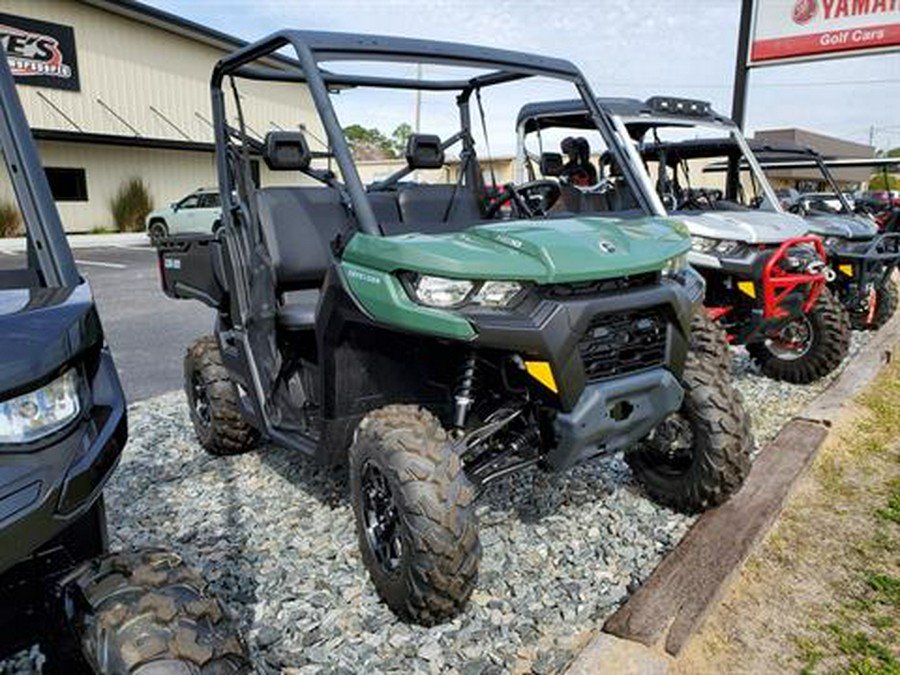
column 274, row 535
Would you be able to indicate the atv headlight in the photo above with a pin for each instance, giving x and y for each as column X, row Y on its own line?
column 39, row 413
column 452, row 293
column 675, row 266
column 703, row 244
column 441, row 292
column 496, row 293
column 722, row 247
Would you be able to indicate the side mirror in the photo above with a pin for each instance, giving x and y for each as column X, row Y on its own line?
column 551, row 164
column 174, row 206
column 286, row 151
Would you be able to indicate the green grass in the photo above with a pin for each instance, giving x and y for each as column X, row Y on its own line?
column 891, row 512
column 860, row 634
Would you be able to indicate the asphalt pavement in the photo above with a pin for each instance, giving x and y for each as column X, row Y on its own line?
column 147, row 332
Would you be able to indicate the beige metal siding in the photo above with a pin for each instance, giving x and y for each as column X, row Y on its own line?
column 134, row 68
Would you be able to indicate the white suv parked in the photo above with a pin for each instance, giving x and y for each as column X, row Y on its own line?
column 200, row 211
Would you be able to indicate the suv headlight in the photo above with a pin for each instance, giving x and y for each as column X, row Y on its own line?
column 40, row 412
column 451, row 293
column 724, row 247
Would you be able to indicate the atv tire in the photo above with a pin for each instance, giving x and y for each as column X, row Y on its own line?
column 886, row 300
column 829, row 327
column 712, row 429
column 147, row 613
column 415, row 517
column 213, row 401
column 709, row 341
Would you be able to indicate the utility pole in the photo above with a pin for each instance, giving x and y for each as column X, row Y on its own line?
column 872, row 135
column 741, row 71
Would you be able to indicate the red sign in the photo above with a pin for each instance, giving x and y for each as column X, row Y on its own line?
column 796, row 29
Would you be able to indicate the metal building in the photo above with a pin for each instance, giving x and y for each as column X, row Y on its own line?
column 115, row 89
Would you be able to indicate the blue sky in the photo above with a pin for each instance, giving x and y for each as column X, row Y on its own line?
column 624, row 47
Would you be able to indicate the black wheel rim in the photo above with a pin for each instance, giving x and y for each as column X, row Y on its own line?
column 381, row 519
column 673, row 445
column 200, row 401
column 792, row 341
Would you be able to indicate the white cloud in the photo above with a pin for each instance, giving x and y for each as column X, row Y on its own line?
column 624, row 47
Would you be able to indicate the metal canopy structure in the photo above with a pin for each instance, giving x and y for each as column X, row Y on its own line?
column 309, row 49
column 573, row 114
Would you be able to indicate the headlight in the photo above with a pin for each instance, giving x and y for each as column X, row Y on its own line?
column 451, row 293
column 41, row 412
column 675, row 266
column 725, row 247
column 441, row 292
column 832, row 242
column 496, row 293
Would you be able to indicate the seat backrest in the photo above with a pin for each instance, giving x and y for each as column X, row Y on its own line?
column 423, row 208
column 299, row 224
column 386, row 208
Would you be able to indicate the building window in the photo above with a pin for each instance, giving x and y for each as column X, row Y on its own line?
column 67, row 185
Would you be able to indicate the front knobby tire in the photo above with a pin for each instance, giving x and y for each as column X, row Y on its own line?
column 699, row 456
column 213, row 401
column 886, row 300
column 147, row 613
column 415, row 516
column 709, row 340
column 828, row 326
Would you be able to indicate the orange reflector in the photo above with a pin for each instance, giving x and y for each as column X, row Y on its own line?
column 540, row 370
column 747, row 288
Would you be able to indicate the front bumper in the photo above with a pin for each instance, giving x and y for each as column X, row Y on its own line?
column 863, row 265
column 44, row 491
column 614, row 415
column 551, row 330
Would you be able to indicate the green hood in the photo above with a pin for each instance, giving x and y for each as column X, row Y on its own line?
column 545, row 251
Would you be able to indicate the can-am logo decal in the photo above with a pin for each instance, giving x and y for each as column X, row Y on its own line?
column 39, row 53
column 606, row 246
column 804, row 11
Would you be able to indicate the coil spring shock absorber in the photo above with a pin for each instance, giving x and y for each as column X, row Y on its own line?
column 463, row 396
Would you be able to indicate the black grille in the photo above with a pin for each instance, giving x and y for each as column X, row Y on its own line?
column 599, row 287
column 625, row 342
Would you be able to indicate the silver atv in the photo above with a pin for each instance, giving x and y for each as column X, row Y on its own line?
column 766, row 275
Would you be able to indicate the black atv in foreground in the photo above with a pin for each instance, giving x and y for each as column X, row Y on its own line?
column 434, row 339
column 62, row 429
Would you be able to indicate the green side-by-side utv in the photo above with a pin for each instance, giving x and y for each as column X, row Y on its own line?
column 430, row 332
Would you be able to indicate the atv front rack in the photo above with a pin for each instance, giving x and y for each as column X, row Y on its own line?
column 777, row 284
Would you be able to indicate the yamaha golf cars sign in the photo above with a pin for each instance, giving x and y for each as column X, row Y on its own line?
column 40, row 53
column 803, row 29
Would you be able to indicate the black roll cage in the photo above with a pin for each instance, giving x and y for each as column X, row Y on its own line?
column 312, row 47
column 47, row 245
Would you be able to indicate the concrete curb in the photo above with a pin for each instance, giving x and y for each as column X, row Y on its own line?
column 17, row 245
column 650, row 629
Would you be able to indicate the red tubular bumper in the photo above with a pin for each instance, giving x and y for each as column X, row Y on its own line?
column 778, row 284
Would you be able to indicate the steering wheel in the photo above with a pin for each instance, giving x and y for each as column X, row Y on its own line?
column 530, row 199
column 700, row 199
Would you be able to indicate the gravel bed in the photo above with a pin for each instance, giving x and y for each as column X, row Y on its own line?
column 274, row 535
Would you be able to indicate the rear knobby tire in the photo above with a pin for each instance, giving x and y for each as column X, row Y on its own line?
column 213, row 401
column 886, row 301
column 830, row 341
column 436, row 566
column 147, row 613
column 713, row 458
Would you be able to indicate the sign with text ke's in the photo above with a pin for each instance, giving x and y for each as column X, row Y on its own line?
column 809, row 29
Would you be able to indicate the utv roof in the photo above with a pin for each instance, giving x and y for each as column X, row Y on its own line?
column 659, row 109
column 503, row 65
